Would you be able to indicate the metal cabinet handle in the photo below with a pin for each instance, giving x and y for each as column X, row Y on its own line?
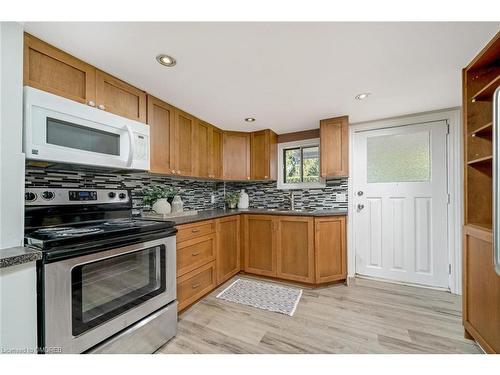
column 194, row 286
column 195, row 230
column 496, row 184
column 195, row 254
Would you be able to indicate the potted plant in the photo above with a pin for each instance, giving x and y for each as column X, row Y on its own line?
column 157, row 197
column 231, row 199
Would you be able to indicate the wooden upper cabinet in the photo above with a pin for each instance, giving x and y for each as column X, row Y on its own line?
column 236, row 155
column 295, row 248
column 215, row 167
column 184, row 136
column 50, row 69
column 228, row 247
column 160, row 117
column 201, row 149
column 120, row 98
column 334, row 146
column 263, row 149
column 330, row 247
column 260, row 244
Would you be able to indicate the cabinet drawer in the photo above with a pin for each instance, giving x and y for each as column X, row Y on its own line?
column 195, row 253
column 189, row 231
column 195, row 284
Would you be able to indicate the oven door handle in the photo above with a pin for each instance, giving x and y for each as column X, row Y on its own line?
column 131, row 151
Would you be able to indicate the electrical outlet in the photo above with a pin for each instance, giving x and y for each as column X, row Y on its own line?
column 340, row 197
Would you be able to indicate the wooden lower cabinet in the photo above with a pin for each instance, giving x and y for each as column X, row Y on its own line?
column 481, row 290
column 260, row 244
column 330, row 247
column 295, row 248
column 195, row 284
column 228, row 247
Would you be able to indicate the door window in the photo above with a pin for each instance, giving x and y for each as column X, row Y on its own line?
column 398, row 158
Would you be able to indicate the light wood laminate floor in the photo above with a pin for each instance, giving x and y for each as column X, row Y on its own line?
column 366, row 317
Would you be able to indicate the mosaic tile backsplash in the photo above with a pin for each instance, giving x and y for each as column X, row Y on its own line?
column 196, row 194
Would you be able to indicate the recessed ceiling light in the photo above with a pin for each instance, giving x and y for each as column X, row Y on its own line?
column 166, row 60
column 249, row 119
column 362, row 96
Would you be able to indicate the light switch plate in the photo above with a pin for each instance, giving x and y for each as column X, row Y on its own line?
column 340, row 197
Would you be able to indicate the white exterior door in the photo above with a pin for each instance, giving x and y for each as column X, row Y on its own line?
column 400, row 203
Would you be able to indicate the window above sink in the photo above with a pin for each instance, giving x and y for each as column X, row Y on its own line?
column 299, row 165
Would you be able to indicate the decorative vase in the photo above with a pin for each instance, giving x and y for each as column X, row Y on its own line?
column 243, row 201
column 161, row 206
column 177, row 204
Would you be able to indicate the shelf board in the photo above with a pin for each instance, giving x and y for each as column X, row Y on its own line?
column 486, row 93
column 484, row 159
column 483, row 226
column 484, row 131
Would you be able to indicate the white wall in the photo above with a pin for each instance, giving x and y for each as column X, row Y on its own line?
column 17, row 283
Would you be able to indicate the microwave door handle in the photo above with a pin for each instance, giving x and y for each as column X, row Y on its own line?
column 496, row 183
column 131, row 144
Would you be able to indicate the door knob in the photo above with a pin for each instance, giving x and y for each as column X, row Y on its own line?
column 360, row 207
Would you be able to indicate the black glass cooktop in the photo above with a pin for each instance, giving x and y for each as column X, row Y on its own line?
column 84, row 233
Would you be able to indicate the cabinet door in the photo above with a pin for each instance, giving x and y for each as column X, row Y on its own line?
column 161, row 123
column 184, row 129
column 260, row 244
column 120, row 98
column 334, row 147
column 236, row 156
column 228, row 247
column 201, row 149
column 263, row 148
column 481, row 290
column 215, row 168
column 50, row 69
column 295, row 243
column 330, row 247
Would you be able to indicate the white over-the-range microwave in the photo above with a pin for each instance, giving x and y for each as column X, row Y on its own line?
column 60, row 130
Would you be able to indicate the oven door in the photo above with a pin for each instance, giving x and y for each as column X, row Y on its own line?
column 61, row 130
column 90, row 298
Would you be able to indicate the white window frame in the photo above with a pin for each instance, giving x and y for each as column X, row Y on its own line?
column 300, row 185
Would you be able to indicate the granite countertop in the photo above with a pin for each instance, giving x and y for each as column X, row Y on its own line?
column 14, row 256
column 216, row 213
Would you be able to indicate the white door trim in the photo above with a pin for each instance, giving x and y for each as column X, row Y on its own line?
column 455, row 185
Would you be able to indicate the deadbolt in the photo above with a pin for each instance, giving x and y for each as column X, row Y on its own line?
column 360, row 193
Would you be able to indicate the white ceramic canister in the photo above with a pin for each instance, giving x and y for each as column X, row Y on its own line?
column 161, row 206
column 243, row 201
column 177, row 204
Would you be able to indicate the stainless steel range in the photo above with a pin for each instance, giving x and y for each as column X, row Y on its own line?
column 106, row 282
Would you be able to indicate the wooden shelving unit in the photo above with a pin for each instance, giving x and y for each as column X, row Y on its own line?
column 481, row 284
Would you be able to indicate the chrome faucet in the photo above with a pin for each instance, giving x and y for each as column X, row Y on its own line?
column 291, row 198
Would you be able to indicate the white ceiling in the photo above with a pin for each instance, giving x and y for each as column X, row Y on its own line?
column 286, row 75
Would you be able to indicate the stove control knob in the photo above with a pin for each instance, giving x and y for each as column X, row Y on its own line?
column 48, row 195
column 122, row 196
column 111, row 194
column 29, row 196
